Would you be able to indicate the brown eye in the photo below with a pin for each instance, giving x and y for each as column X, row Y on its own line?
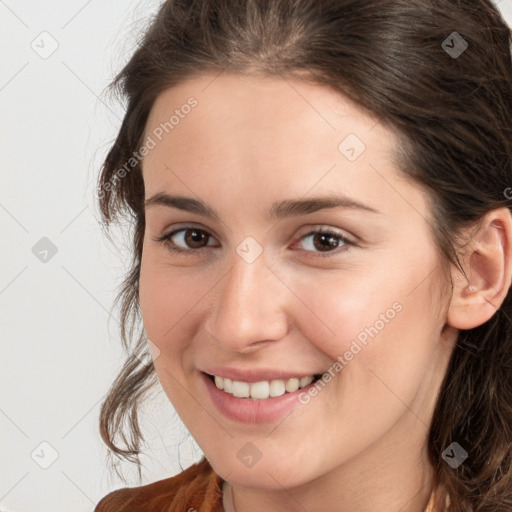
column 189, row 239
column 194, row 238
column 325, row 241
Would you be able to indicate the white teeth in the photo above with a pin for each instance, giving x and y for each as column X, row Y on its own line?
column 305, row 381
column 241, row 389
column 264, row 389
column 227, row 385
column 277, row 388
column 260, row 390
column 292, row 385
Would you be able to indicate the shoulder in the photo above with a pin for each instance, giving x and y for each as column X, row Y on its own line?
column 198, row 489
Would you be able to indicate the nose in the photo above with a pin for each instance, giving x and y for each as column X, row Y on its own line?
column 250, row 306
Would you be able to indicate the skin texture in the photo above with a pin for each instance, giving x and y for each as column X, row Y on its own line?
column 360, row 444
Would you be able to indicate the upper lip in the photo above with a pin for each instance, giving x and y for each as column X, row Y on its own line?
column 255, row 374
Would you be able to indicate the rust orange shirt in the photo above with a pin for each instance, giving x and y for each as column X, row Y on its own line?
column 197, row 489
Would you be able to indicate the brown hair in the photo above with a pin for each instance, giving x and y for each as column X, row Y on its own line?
column 452, row 112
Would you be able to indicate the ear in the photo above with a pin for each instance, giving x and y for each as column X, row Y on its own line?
column 487, row 261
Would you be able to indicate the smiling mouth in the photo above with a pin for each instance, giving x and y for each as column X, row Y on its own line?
column 262, row 390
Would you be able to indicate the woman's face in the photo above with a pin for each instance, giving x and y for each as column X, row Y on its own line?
column 319, row 259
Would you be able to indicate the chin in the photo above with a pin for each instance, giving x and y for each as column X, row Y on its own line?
column 273, row 473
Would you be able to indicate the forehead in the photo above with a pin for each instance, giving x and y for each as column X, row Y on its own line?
column 260, row 106
column 242, row 132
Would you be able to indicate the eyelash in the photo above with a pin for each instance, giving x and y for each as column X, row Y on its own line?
column 166, row 240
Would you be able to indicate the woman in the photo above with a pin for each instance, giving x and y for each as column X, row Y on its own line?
column 322, row 254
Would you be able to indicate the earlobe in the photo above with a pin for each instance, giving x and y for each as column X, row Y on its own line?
column 487, row 260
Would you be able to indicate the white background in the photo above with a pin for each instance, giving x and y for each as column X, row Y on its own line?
column 60, row 351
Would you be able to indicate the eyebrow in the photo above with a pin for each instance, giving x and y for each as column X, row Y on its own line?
column 279, row 210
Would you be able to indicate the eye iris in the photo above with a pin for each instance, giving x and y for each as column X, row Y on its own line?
column 323, row 237
column 193, row 236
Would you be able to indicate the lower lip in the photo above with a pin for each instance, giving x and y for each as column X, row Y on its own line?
column 246, row 410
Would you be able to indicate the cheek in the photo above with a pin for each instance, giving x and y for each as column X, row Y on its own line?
column 386, row 318
column 349, row 306
column 169, row 296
